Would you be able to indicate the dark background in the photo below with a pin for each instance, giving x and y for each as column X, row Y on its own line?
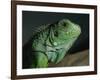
column 31, row 21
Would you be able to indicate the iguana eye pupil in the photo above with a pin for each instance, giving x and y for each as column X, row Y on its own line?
column 64, row 24
column 56, row 34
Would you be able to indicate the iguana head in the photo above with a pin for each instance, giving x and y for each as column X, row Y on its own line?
column 63, row 37
column 66, row 30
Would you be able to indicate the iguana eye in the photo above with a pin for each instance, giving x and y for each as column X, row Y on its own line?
column 64, row 24
column 56, row 33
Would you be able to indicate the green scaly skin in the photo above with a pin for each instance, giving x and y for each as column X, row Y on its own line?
column 53, row 42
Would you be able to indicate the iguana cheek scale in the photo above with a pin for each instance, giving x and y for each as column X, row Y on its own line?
column 51, row 43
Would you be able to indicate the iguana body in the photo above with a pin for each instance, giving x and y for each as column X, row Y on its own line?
column 53, row 42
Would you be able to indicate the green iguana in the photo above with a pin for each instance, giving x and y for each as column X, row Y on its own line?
column 51, row 43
